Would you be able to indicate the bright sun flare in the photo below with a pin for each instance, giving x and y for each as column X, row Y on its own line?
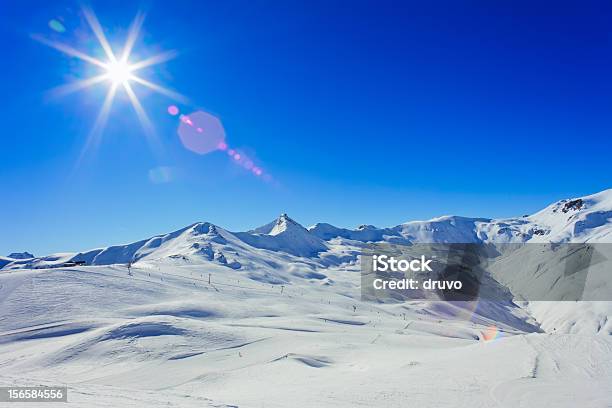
column 116, row 70
column 119, row 72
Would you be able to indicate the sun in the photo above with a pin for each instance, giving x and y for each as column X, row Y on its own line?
column 119, row 72
column 116, row 71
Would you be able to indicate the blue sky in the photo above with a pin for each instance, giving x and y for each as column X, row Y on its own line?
column 377, row 112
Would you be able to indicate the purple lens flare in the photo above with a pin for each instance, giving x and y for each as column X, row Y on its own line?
column 201, row 132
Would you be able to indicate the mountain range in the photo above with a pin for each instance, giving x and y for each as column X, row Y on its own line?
column 575, row 220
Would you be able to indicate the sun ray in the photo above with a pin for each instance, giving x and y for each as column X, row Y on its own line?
column 93, row 139
column 66, row 49
column 147, row 126
column 154, row 60
column 160, row 89
column 93, row 22
column 102, row 118
column 140, row 112
column 77, row 85
column 132, row 36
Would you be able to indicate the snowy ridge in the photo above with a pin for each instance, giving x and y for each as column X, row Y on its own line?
column 583, row 219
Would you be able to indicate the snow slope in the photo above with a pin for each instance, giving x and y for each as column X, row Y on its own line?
column 273, row 317
column 163, row 336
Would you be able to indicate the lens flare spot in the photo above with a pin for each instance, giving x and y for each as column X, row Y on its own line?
column 185, row 119
column 491, row 333
column 173, row 110
column 237, row 156
column 161, row 175
column 201, row 132
column 222, row 146
column 56, row 26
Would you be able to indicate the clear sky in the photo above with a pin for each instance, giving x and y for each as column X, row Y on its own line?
column 361, row 112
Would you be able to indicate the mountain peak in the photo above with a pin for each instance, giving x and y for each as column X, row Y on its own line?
column 205, row 228
column 21, row 255
column 285, row 218
column 280, row 224
column 284, row 223
column 284, row 234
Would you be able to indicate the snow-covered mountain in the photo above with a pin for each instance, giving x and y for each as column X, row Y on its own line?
column 284, row 235
column 21, row 255
column 583, row 219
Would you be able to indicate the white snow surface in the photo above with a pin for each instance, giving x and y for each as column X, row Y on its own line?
column 273, row 318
